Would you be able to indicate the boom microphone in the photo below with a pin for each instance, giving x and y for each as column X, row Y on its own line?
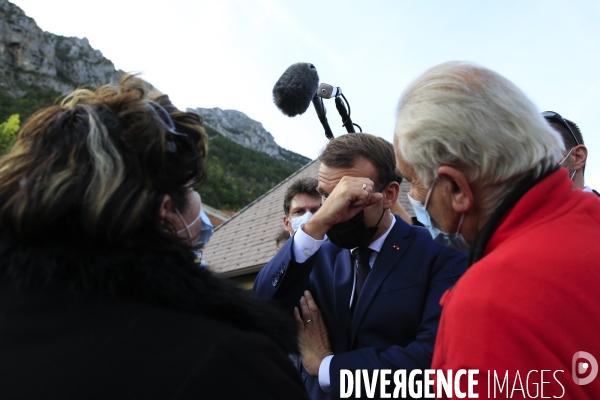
column 328, row 92
column 296, row 88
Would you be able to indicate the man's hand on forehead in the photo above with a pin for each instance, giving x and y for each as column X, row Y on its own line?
column 325, row 187
column 343, row 200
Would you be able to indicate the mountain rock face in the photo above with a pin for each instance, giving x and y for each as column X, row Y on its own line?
column 240, row 128
column 32, row 57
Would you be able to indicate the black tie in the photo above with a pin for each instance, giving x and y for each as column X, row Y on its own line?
column 362, row 256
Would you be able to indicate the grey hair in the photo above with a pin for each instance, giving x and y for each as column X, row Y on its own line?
column 471, row 118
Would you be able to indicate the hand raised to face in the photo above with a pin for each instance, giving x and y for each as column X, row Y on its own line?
column 345, row 192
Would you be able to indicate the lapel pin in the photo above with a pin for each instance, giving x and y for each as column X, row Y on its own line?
column 396, row 247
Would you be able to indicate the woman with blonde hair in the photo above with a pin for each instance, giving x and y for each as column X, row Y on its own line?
column 99, row 293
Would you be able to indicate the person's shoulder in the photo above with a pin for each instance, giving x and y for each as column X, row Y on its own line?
column 442, row 261
column 590, row 205
column 219, row 359
column 416, row 233
column 421, row 239
column 244, row 364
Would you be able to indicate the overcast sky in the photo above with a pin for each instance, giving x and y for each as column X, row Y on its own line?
column 230, row 53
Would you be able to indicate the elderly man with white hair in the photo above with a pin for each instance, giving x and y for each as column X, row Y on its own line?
column 483, row 170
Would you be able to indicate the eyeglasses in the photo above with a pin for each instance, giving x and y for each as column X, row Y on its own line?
column 552, row 115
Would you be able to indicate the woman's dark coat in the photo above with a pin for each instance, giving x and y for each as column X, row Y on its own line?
column 134, row 324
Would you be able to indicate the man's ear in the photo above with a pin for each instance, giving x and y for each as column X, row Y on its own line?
column 390, row 195
column 287, row 224
column 579, row 155
column 461, row 193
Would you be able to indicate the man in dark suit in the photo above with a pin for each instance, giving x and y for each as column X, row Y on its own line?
column 369, row 298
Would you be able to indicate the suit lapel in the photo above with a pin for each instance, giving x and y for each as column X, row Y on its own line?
column 343, row 281
column 393, row 249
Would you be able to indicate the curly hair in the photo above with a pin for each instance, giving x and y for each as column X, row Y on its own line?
column 96, row 167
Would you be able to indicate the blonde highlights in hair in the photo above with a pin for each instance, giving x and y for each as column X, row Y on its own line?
column 99, row 164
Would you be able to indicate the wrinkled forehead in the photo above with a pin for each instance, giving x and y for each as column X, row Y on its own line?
column 329, row 177
column 305, row 200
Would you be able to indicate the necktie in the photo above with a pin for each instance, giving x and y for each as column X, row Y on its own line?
column 362, row 256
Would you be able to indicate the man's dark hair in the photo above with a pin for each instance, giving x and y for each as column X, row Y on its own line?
column 343, row 151
column 566, row 135
column 303, row 185
column 564, row 132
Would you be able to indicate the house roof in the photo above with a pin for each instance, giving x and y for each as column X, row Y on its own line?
column 246, row 242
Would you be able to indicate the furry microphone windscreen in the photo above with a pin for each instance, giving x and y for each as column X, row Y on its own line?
column 294, row 91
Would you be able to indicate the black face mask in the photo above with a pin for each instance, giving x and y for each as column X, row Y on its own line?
column 353, row 233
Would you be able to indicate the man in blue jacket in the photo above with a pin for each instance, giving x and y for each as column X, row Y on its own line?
column 369, row 297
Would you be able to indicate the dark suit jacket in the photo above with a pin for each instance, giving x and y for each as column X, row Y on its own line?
column 397, row 314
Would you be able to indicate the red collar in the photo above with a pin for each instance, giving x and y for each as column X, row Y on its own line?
column 552, row 196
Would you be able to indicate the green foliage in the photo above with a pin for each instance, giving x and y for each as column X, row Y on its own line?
column 295, row 159
column 238, row 175
column 211, row 132
column 8, row 133
column 34, row 99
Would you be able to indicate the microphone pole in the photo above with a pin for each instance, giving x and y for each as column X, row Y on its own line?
column 346, row 121
column 326, row 91
column 321, row 111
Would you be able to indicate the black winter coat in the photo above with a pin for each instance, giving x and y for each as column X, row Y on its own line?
column 79, row 324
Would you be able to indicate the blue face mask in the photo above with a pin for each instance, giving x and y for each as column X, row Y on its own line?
column 206, row 231
column 455, row 241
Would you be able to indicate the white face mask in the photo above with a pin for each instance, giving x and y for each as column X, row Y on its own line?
column 187, row 227
column 567, row 156
column 455, row 241
column 298, row 221
column 564, row 159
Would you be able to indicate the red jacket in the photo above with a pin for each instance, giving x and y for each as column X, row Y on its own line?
column 532, row 301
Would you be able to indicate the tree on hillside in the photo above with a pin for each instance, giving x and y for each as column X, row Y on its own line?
column 237, row 175
column 8, row 133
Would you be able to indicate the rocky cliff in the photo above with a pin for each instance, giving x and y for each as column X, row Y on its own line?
column 37, row 64
column 240, row 128
column 32, row 57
